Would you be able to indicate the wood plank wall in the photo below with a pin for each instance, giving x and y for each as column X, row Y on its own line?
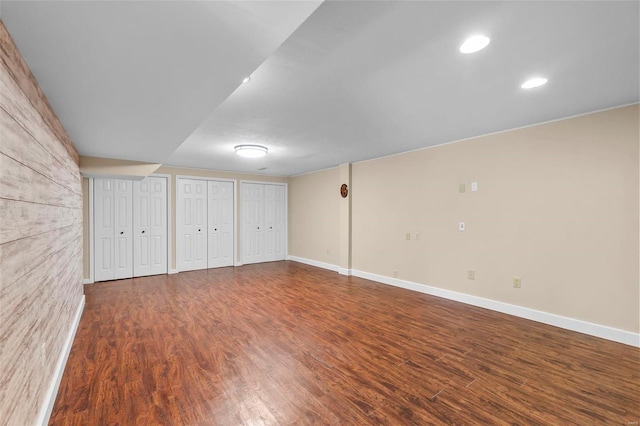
column 40, row 239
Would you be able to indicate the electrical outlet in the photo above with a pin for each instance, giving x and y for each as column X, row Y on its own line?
column 462, row 188
column 474, row 186
column 417, row 235
column 517, row 282
column 461, row 226
column 471, row 274
column 408, row 236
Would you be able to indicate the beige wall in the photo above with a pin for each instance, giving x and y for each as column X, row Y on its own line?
column 314, row 231
column 107, row 167
column 174, row 171
column 40, row 241
column 557, row 206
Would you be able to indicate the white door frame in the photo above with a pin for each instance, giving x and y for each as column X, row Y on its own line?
column 235, row 212
column 286, row 213
column 92, row 251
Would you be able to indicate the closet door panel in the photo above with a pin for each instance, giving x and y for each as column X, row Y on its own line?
column 150, row 226
column 104, row 230
column 200, row 224
column 227, row 225
column 279, row 225
column 158, row 226
column 269, row 215
column 141, row 233
column 263, row 222
column 220, row 224
column 123, row 195
column 252, row 222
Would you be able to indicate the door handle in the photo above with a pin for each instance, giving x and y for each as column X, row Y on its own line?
column 215, row 229
column 121, row 232
column 199, row 230
column 258, row 227
column 271, row 227
column 143, row 232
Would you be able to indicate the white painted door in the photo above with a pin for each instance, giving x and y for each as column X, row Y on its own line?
column 274, row 222
column 104, row 230
column 269, row 213
column 192, row 226
column 220, row 224
column 150, row 227
column 278, row 222
column 252, row 222
column 113, row 229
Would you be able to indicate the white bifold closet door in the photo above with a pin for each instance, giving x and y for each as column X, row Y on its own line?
column 274, row 222
column 263, row 222
column 113, row 229
column 220, row 224
column 130, row 228
column 150, row 227
column 252, row 222
column 192, row 226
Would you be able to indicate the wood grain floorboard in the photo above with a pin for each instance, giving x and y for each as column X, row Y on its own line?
column 286, row 343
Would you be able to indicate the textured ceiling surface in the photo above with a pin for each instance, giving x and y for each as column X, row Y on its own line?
column 335, row 83
column 132, row 80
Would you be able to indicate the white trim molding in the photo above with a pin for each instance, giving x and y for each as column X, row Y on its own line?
column 345, row 271
column 52, row 392
column 318, row 264
column 92, row 276
column 172, row 271
column 597, row 330
column 87, row 281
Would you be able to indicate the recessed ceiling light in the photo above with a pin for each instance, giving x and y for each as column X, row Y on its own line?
column 534, row 82
column 475, row 43
column 251, row 151
column 246, row 79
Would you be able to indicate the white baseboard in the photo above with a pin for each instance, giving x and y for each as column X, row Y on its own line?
column 52, row 392
column 316, row 263
column 237, row 264
column 87, row 281
column 345, row 271
column 172, row 271
column 597, row 330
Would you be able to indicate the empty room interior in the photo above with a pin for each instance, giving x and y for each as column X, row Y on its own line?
column 319, row 212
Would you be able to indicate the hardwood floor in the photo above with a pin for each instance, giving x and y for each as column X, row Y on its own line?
column 287, row 343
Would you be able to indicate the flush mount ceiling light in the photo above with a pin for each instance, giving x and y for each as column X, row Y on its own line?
column 251, row 151
column 246, row 79
column 534, row 82
column 474, row 43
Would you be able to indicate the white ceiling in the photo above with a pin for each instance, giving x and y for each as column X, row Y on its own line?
column 355, row 80
column 132, row 80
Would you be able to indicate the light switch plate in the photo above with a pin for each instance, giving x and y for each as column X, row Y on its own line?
column 474, row 186
column 462, row 188
column 461, row 226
